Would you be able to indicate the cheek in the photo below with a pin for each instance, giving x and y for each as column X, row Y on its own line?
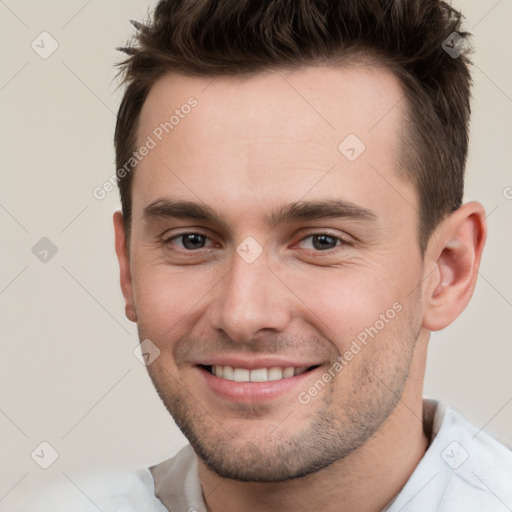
column 167, row 298
column 343, row 302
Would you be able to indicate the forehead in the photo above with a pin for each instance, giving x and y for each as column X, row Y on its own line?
column 271, row 133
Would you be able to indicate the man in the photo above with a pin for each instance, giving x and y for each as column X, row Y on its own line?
column 292, row 230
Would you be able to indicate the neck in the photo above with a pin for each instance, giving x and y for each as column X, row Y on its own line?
column 383, row 466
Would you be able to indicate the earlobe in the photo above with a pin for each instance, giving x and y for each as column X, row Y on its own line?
column 456, row 254
column 124, row 266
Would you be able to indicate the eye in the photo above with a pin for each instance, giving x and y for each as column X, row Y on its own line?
column 189, row 241
column 322, row 241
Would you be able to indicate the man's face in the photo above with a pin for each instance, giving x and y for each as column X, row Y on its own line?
column 262, row 289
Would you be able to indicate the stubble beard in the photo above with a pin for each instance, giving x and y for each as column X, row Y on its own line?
column 287, row 453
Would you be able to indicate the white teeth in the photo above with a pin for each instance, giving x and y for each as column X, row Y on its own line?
column 288, row 372
column 227, row 372
column 241, row 375
column 275, row 373
column 258, row 374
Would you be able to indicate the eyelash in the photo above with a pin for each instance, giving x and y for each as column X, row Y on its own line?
column 343, row 242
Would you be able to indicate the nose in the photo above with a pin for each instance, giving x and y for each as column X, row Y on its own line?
column 250, row 298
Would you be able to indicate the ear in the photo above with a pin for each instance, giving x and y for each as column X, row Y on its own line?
column 124, row 266
column 454, row 255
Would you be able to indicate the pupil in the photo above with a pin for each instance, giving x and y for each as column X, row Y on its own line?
column 193, row 240
column 331, row 242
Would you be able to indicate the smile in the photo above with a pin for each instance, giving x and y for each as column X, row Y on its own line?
column 258, row 374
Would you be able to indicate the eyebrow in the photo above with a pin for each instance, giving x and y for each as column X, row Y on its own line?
column 163, row 208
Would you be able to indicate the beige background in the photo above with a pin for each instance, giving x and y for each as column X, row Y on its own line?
column 68, row 373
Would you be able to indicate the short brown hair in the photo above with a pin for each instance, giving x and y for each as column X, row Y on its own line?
column 235, row 37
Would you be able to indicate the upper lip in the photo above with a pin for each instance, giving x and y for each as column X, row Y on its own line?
column 255, row 362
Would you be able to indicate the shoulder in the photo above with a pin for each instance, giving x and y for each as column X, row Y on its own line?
column 464, row 469
column 129, row 491
column 480, row 462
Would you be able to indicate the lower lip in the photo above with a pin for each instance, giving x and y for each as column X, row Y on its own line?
column 252, row 391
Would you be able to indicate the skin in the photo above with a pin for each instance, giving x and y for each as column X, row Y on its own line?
column 250, row 146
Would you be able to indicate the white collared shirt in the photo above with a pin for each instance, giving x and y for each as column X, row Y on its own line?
column 463, row 470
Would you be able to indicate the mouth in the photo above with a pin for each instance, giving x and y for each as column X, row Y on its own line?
column 265, row 374
column 260, row 383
